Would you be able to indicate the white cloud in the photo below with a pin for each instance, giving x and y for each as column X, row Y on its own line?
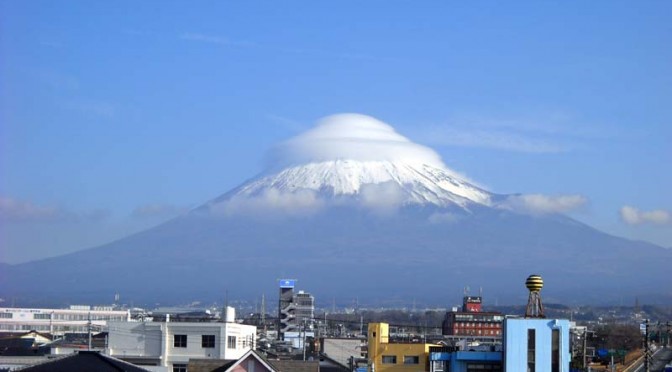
column 441, row 218
column 271, row 203
column 383, row 198
column 542, row 132
column 194, row 36
column 13, row 210
column 544, row 204
column 495, row 139
column 17, row 210
column 633, row 216
column 92, row 107
column 352, row 137
column 157, row 211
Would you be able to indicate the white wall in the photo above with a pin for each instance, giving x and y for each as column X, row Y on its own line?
column 156, row 340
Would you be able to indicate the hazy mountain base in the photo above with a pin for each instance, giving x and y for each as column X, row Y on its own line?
column 428, row 254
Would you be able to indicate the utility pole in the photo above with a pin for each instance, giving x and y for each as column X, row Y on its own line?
column 304, row 340
column 646, row 346
column 226, row 304
column 89, row 329
column 263, row 312
column 585, row 342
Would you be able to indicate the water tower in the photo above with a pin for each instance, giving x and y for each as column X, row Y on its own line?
column 535, row 309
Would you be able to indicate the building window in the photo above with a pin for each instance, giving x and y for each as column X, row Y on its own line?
column 389, row 359
column 531, row 345
column 411, row 359
column 483, row 367
column 179, row 368
column 41, row 316
column 439, row 366
column 208, row 341
column 6, row 315
column 231, row 342
column 180, row 341
column 555, row 350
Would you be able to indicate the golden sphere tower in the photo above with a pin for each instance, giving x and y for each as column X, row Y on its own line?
column 535, row 309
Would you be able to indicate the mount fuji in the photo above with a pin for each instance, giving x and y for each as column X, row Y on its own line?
column 355, row 210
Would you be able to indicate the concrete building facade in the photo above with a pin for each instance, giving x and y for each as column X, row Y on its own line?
column 296, row 310
column 472, row 321
column 393, row 356
column 536, row 345
column 75, row 319
column 172, row 344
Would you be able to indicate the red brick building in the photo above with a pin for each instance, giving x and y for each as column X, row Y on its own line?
column 472, row 321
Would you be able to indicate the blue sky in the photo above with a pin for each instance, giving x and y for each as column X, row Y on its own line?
column 115, row 116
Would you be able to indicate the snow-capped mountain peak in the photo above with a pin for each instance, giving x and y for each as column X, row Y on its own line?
column 413, row 183
column 353, row 156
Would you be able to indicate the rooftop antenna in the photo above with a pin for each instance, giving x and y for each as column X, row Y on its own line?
column 226, row 303
column 263, row 311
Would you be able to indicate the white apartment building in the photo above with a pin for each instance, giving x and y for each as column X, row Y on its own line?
column 168, row 346
column 75, row 319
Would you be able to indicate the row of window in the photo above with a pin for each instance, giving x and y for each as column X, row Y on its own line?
column 112, row 318
column 475, row 332
column 408, row 359
column 207, row 341
column 46, row 316
column 44, row 327
column 479, row 317
column 444, row 366
column 482, row 325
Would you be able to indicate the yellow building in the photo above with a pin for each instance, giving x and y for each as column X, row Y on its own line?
column 385, row 356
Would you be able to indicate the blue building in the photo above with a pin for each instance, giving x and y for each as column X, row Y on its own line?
column 536, row 345
column 448, row 360
column 532, row 345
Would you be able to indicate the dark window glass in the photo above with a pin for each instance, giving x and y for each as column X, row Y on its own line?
column 180, row 341
column 389, row 359
column 208, row 341
column 411, row 359
column 555, row 350
column 531, row 344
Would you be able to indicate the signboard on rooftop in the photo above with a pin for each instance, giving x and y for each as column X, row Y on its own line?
column 287, row 283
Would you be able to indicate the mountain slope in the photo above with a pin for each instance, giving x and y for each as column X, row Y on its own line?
column 353, row 209
column 345, row 253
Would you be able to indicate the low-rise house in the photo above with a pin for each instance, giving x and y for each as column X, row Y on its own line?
column 84, row 361
column 172, row 344
column 345, row 351
column 252, row 361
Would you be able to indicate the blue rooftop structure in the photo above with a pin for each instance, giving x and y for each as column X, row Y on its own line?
column 463, row 361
